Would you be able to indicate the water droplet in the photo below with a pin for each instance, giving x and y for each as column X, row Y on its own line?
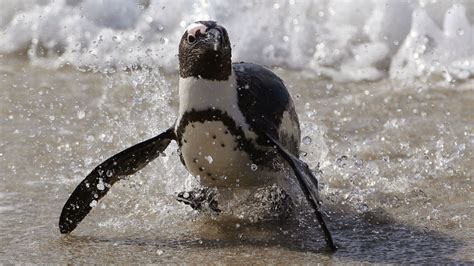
column 93, row 203
column 307, row 140
column 116, row 38
column 209, row 159
column 52, row 118
column 159, row 252
column 101, row 185
column 81, row 114
column 253, row 167
column 460, row 32
column 276, row 6
column 163, row 40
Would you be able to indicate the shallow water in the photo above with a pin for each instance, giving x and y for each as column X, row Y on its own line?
column 397, row 168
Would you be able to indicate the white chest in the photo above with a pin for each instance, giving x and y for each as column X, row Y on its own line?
column 209, row 148
column 211, row 152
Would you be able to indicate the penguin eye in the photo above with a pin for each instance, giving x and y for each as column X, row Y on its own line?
column 191, row 39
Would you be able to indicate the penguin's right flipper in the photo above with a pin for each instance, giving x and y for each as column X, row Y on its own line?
column 99, row 181
column 309, row 185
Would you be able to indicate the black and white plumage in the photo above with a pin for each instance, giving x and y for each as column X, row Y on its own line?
column 235, row 120
column 224, row 121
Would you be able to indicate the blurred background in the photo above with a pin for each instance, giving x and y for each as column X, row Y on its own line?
column 343, row 40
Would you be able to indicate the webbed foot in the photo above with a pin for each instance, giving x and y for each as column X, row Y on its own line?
column 201, row 199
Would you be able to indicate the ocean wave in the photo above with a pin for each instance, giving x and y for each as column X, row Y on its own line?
column 342, row 40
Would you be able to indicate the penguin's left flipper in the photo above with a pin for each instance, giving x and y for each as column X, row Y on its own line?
column 99, row 181
column 308, row 183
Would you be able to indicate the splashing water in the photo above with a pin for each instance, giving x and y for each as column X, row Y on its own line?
column 353, row 41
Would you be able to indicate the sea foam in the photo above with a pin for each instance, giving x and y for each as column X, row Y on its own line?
column 342, row 40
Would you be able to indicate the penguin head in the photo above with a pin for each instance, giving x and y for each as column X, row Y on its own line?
column 205, row 52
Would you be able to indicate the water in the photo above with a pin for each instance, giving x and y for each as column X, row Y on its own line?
column 397, row 169
column 396, row 153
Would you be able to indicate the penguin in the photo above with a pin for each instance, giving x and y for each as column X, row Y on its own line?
column 236, row 127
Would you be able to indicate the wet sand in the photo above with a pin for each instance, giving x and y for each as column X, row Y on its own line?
column 397, row 173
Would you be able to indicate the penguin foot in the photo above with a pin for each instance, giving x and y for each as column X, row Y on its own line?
column 201, row 199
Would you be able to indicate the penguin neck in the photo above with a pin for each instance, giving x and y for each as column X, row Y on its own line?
column 201, row 94
column 198, row 94
column 210, row 66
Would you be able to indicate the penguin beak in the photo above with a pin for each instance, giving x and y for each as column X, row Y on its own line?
column 214, row 38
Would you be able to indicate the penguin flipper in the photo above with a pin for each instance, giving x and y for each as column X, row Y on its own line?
column 99, row 181
column 309, row 185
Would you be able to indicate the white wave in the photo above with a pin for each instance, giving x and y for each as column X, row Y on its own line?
column 429, row 50
column 343, row 40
